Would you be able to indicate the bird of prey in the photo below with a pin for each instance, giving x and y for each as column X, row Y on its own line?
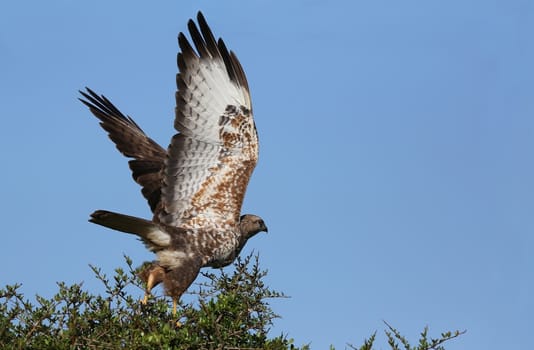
column 196, row 187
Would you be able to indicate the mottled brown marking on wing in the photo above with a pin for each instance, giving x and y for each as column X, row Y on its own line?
column 213, row 114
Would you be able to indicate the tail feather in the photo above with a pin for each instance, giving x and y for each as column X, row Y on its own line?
column 149, row 232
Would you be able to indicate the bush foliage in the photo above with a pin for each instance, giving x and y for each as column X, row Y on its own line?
column 230, row 311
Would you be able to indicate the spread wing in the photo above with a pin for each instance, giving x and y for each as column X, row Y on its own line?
column 211, row 159
column 131, row 141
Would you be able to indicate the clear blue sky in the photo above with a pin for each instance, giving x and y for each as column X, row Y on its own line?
column 396, row 169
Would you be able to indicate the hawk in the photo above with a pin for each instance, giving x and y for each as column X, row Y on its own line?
column 196, row 187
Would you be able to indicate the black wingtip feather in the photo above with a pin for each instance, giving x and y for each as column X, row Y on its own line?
column 209, row 38
column 104, row 109
column 227, row 61
column 187, row 50
column 208, row 47
column 198, row 40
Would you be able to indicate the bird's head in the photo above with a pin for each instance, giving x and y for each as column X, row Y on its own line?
column 251, row 224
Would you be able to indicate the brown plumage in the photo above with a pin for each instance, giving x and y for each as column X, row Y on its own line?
column 148, row 156
column 195, row 189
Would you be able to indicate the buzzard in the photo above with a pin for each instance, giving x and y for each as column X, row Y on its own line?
column 196, row 187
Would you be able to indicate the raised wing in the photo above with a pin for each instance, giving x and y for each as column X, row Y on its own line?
column 148, row 157
column 211, row 159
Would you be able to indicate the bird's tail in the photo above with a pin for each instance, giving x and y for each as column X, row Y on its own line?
column 150, row 232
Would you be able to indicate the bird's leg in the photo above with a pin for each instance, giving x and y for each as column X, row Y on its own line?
column 177, row 280
column 153, row 276
column 174, row 303
column 149, row 286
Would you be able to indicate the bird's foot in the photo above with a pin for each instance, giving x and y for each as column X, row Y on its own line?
column 178, row 324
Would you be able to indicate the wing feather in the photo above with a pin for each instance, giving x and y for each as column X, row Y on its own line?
column 212, row 157
column 148, row 157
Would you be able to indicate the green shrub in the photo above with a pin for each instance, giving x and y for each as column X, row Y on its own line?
column 229, row 311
